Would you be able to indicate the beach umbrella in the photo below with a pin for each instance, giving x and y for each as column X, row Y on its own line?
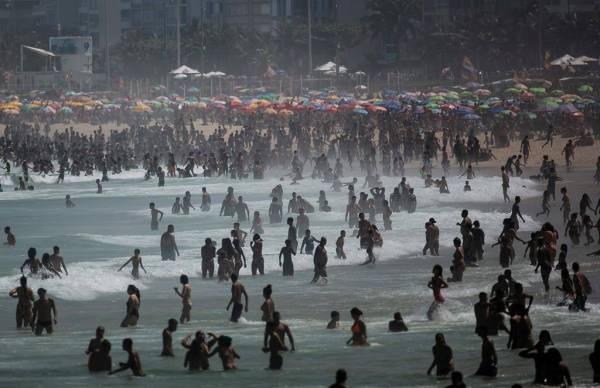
column 11, row 111
column 483, row 107
column 360, row 111
column 585, row 89
column 139, row 108
column 431, row 105
column 482, row 93
column 538, row 91
column 464, row 110
column 27, row 108
column 557, row 92
column 65, row 110
column 512, row 91
column 527, row 96
column 48, row 110
column 520, row 86
column 472, row 116
column 465, row 94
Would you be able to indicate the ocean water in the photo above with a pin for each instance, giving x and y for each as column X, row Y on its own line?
column 100, row 233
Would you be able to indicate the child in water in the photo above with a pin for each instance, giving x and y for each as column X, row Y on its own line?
column 335, row 320
column 308, row 242
column 436, row 284
column 226, row 352
column 287, row 251
column 339, row 246
column 136, row 263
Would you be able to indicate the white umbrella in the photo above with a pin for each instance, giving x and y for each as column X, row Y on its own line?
column 215, row 74
column 326, row 67
column 183, row 69
column 564, row 60
column 585, row 58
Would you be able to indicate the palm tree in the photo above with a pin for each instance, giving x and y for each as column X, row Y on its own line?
column 393, row 21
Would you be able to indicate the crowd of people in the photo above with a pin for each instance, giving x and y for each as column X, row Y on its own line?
column 328, row 154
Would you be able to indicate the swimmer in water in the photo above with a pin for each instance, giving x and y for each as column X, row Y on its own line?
column 136, row 263
column 31, row 262
column 95, row 342
column 258, row 262
column 320, row 261
column 443, row 360
column 24, row 295
column 186, row 298
column 226, row 352
column 489, row 359
column 100, row 360
column 68, row 202
column 168, row 246
column 154, row 216
column 397, row 324
column 48, row 271
column 334, row 323
column 10, row 237
column 133, row 307
column 57, row 261
column 339, row 246
column 196, row 358
column 268, row 306
column 359, row 329
column 340, row 379
column 133, row 360
column 167, row 338
column 208, row 253
column 370, row 244
column 44, row 313
column 436, row 284
column 237, row 290
column 288, row 265
column 275, row 345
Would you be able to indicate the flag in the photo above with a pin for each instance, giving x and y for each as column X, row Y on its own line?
column 469, row 71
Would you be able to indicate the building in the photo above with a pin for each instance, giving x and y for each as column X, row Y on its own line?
column 25, row 16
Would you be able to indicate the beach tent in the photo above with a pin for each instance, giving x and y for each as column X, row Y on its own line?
column 183, row 69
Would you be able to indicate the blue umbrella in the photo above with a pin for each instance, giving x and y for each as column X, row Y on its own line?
column 472, row 116
column 360, row 111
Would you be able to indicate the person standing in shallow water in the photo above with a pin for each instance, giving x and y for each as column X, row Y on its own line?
column 320, row 261
column 24, row 295
column 154, row 216
column 237, row 290
column 359, row 329
column 168, row 246
column 133, row 307
column 136, row 263
column 443, row 359
column 186, row 298
column 133, row 360
column 436, row 284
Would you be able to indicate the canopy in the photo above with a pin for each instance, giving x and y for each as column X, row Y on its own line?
column 183, row 69
column 40, row 51
column 567, row 60
column 330, row 67
column 214, row 74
